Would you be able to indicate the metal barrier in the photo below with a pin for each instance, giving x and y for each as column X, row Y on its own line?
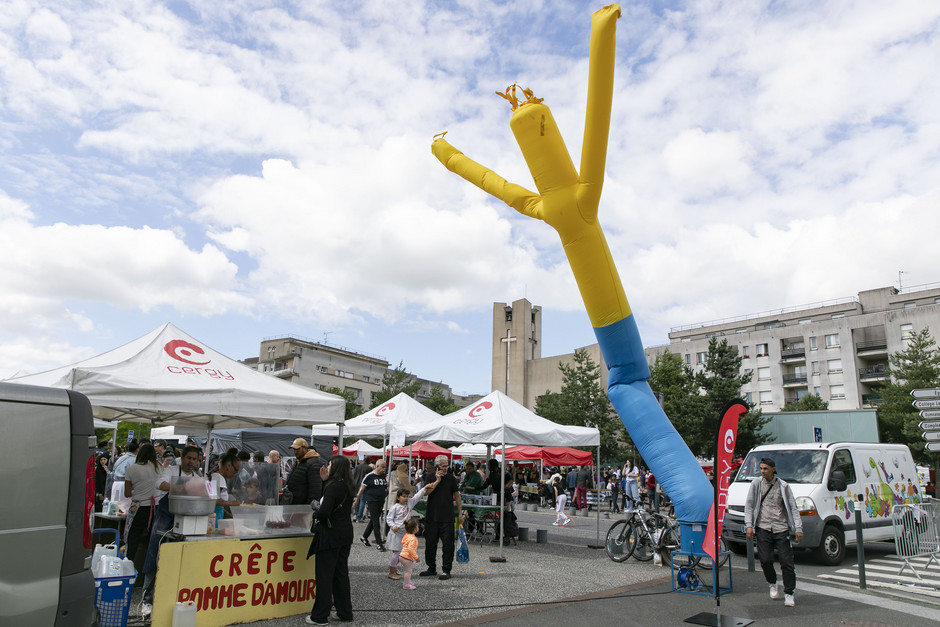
column 916, row 533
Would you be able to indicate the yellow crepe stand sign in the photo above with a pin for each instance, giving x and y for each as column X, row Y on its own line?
column 235, row 581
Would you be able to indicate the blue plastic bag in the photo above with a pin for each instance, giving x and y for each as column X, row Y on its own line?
column 463, row 550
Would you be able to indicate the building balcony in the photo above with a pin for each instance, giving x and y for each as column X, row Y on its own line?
column 284, row 373
column 870, row 400
column 793, row 354
column 872, row 348
column 791, row 380
column 873, row 374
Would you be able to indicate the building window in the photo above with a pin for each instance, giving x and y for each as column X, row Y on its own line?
column 812, row 343
column 800, row 394
column 799, row 371
column 837, row 316
column 701, row 357
column 745, row 352
column 323, row 369
column 688, row 359
column 356, row 392
column 836, row 391
column 834, row 365
column 817, row 390
column 910, row 305
column 365, row 378
column 815, row 367
column 750, row 398
column 806, row 321
column 766, row 398
column 763, row 374
column 762, row 350
column 832, row 340
column 907, row 331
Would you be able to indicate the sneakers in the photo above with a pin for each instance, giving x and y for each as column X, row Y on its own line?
column 146, row 609
column 310, row 621
column 788, row 600
column 428, row 573
column 335, row 616
column 566, row 523
column 365, row 541
column 379, row 547
column 555, row 524
column 409, row 586
column 444, row 576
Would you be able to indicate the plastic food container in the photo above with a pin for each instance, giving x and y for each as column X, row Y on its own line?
column 191, row 505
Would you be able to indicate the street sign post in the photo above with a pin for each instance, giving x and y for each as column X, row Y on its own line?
column 930, row 426
column 930, row 414
column 930, row 403
column 926, row 393
column 817, row 434
column 931, row 436
column 933, row 447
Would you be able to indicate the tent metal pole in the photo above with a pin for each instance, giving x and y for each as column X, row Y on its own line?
column 340, row 439
column 502, row 500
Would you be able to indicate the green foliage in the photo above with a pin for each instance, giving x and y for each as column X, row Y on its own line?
column 141, row 430
column 439, row 403
column 582, row 402
column 694, row 401
column 808, row 402
column 353, row 408
column 396, row 381
column 917, row 366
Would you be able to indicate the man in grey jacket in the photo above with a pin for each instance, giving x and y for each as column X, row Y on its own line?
column 771, row 509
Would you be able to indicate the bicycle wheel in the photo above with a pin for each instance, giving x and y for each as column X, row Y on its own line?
column 670, row 541
column 643, row 546
column 619, row 548
column 705, row 562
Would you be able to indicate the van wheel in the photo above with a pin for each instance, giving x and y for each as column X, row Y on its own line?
column 831, row 546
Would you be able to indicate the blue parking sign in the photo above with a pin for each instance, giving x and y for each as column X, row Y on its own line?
column 817, row 434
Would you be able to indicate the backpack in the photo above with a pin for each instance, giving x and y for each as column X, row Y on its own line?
column 510, row 525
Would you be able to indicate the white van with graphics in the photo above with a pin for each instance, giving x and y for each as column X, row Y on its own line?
column 829, row 481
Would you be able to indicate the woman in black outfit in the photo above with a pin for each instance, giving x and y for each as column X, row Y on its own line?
column 332, row 566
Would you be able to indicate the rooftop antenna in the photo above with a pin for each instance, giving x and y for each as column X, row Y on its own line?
column 326, row 336
column 900, row 272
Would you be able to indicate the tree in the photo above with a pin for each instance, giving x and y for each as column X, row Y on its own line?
column 141, row 430
column 353, row 408
column 439, row 403
column 582, row 402
column 808, row 402
column 394, row 382
column 694, row 401
column 917, row 366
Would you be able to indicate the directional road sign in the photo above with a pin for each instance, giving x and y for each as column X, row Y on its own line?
column 930, row 414
column 933, row 447
column 926, row 393
column 933, row 403
column 933, row 425
column 931, row 436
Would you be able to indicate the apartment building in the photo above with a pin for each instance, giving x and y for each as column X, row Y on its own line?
column 837, row 349
column 324, row 366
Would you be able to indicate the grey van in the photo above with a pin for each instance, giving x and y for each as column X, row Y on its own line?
column 47, row 442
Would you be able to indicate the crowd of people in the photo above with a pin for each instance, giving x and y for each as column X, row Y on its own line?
column 141, row 473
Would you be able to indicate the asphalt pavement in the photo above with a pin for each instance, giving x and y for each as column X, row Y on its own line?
column 566, row 581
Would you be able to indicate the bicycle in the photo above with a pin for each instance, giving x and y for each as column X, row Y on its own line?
column 641, row 534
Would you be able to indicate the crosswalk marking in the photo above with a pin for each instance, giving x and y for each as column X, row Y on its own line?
column 883, row 572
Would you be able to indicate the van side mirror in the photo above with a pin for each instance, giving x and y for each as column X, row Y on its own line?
column 837, row 481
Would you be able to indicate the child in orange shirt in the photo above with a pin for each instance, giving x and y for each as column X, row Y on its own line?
column 409, row 552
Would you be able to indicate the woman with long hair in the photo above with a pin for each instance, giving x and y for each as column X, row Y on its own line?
column 140, row 484
column 400, row 479
column 336, row 538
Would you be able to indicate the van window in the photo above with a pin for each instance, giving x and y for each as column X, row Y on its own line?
column 842, row 460
column 792, row 466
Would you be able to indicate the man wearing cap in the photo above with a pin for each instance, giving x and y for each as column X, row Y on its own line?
column 304, row 480
column 771, row 509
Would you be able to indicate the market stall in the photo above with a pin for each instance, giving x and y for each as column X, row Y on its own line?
column 169, row 378
column 497, row 419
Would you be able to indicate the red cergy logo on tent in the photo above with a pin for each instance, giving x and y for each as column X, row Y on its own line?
column 477, row 411
column 379, row 414
column 184, row 351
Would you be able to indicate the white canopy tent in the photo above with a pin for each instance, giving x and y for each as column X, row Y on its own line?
column 497, row 419
column 361, row 449
column 401, row 414
column 167, row 377
column 472, row 451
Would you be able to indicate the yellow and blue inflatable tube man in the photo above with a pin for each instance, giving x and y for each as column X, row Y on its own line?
column 567, row 200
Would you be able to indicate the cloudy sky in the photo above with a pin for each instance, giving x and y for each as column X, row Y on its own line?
column 252, row 168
